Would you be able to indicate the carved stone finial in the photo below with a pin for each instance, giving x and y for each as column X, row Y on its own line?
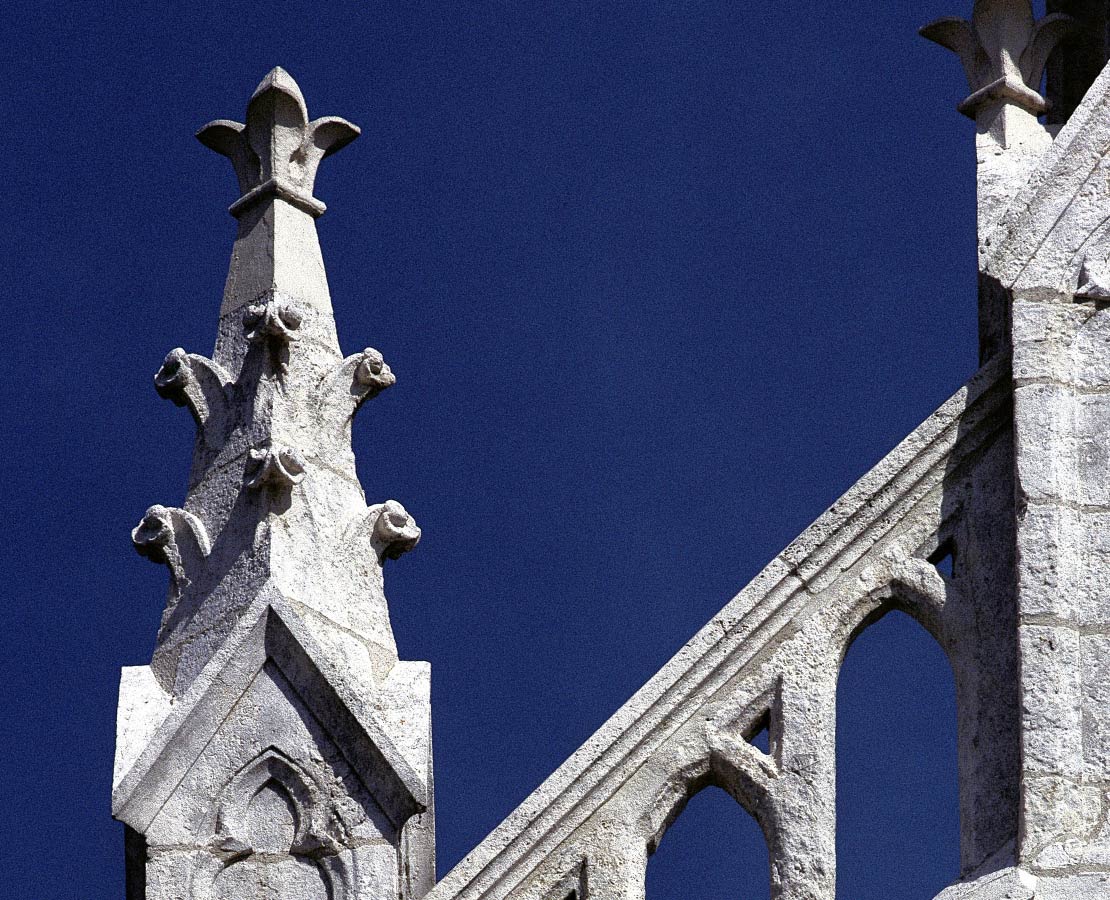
column 278, row 150
column 1003, row 51
column 277, row 589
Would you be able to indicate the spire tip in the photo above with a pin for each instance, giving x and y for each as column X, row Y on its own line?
column 277, row 152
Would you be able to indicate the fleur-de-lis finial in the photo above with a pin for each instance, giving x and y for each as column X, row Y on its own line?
column 1003, row 51
column 278, row 150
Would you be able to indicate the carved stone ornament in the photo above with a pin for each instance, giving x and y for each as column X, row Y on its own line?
column 395, row 531
column 154, row 533
column 315, row 826
column 279, row 468
column 171, row 379
column 373, row 373
column 278, row 150
column 358, row 378
column 276, row 835
column 276, row 318
column 194, row 381
column 1003, row 50
column 159, row 537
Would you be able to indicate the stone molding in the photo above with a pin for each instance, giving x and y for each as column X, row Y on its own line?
column 855, row 553
column 276, row 745
column 188, row 723
column 1047, row 234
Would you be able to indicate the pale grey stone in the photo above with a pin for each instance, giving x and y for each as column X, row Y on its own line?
column 1008, row 884
column 277, row 748
column 1004, row 52
column 1075, row 887
column 1095, row 667
column 1052, row 700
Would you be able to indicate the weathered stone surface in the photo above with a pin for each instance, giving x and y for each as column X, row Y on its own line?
column 275, row 747
column 1004, row 53
column 1007, row 884
column 1081, row 887
column 1052, row 725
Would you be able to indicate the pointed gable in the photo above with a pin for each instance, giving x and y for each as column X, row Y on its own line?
column 275, row 651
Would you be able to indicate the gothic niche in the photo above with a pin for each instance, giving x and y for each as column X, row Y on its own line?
column 275, row 836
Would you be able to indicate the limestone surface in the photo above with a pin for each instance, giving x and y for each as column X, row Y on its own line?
column 987, row 524
column 277, row 748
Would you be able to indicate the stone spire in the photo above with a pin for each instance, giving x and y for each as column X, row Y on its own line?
column 1004, row 52
column 275, row 667
column 274, row 502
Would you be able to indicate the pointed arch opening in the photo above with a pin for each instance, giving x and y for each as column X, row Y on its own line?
column 897, row 787
column 714, row 849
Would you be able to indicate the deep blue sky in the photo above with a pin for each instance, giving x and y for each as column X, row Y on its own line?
column 660, row 280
